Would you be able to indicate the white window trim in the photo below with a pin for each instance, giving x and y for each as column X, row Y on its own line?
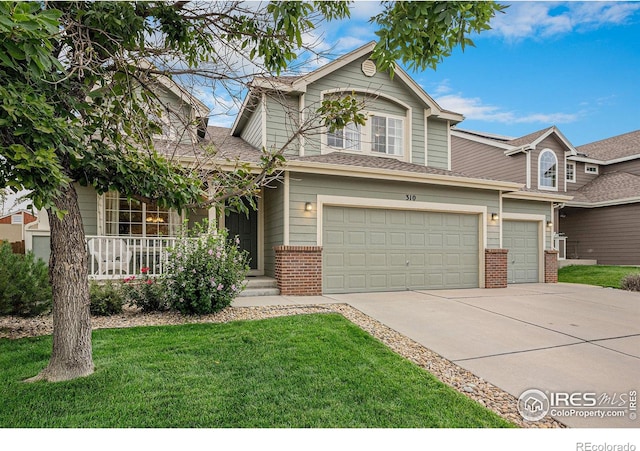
column 593, row 166
column 102, row 218
column 572, row 163
column 15, row 216
column 548, row 188
column 365, row 143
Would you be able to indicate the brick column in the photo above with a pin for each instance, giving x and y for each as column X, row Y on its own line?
column 495, row 268
column 299, row 270
column 551, row 266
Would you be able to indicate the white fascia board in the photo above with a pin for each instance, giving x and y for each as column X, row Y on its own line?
column 436, row 110
column 563, row 138
column 272, row 85
column 481, row 140
column 301, row 85
column 608, row 203
column 387, row 174
column 604, row 162
column 528, row 195
column 240, row 114
column 521, row 149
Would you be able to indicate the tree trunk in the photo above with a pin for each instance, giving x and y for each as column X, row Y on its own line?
column 68, row 273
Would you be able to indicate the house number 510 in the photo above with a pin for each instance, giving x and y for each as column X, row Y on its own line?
column 410, row 196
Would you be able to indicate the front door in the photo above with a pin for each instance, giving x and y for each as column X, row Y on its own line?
column 246, row 228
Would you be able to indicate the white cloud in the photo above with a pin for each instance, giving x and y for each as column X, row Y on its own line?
column 474, row 108
column 545, row 19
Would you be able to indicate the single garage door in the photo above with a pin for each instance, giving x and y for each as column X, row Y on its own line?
column 385, row 250
column 521, row 239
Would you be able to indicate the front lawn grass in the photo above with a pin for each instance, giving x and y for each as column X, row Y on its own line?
column 299, row 371
column 603, row 276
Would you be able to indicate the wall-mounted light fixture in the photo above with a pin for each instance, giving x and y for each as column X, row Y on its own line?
column 549, row 224
column 308, row 206
column 494, row 216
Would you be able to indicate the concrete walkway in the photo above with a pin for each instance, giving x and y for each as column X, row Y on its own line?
column 557, row 338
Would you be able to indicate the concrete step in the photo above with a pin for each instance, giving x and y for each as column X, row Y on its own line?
column 259, row 292
column 260, row 286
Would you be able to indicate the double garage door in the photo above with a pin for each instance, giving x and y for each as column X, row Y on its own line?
column 367, row 249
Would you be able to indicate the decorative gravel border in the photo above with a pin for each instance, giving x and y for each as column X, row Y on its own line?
column 465, row 382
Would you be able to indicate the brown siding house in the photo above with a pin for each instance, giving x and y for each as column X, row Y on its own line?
column 602, row 221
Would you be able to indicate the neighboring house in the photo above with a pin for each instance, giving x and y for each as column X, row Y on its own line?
column 12, row 225
column 602, row 220
column 368, row 208
column 599, row 221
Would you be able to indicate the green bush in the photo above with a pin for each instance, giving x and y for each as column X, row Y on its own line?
column 146, row 293
column 205, row 273
column 24, row 284
column 631, row 282
column 106, row 298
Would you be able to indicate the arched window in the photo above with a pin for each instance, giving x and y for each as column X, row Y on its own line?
column 547, row 170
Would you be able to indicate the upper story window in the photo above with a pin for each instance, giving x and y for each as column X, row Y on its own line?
column 547, row 170
column 571, row 172
column 591, row 168
column 350, row 137
column 380, row 135
column 387, row 135
column 17, row 219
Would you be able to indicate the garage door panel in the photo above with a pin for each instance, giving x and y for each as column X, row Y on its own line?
column 439, row 255
column 416, row 239
column 397, row 239
column 334, row 237
column 416, row 260
column 357, row 259
column 335, row 260
column 377, row 259
column 356, row 238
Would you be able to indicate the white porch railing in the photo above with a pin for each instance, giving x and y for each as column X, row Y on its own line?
column 116, row 257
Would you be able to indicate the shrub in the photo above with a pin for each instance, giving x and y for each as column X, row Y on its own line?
column 24, row 284
column 631, row 282
column 205, row 273
column 145, row 292
column 106, row 298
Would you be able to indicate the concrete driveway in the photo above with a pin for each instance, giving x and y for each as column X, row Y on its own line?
column 580, row 345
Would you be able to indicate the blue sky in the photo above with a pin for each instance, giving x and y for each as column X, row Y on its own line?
column 575, row 65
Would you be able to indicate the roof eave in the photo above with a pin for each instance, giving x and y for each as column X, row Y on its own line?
column 606, row 203
column 528, row 195
column 390, row 174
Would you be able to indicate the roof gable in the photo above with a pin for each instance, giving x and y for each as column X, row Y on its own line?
column 299, row 84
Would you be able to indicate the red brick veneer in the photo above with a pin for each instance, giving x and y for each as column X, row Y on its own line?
column 495, row 268
column 551, row 266
column 299, row 270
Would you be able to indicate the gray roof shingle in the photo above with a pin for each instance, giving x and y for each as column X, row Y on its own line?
column 620, row 146
column 608, row 188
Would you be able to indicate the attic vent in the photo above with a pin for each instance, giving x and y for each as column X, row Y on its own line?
column 369, row 68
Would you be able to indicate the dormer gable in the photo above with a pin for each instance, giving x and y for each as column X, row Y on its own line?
column 402, row 120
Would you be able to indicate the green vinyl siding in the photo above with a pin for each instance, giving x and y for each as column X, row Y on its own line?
column 351, row 79
column 306, row 187
column 282, row 123
column 252, row 131
column 438, row 139
column 273, row 225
